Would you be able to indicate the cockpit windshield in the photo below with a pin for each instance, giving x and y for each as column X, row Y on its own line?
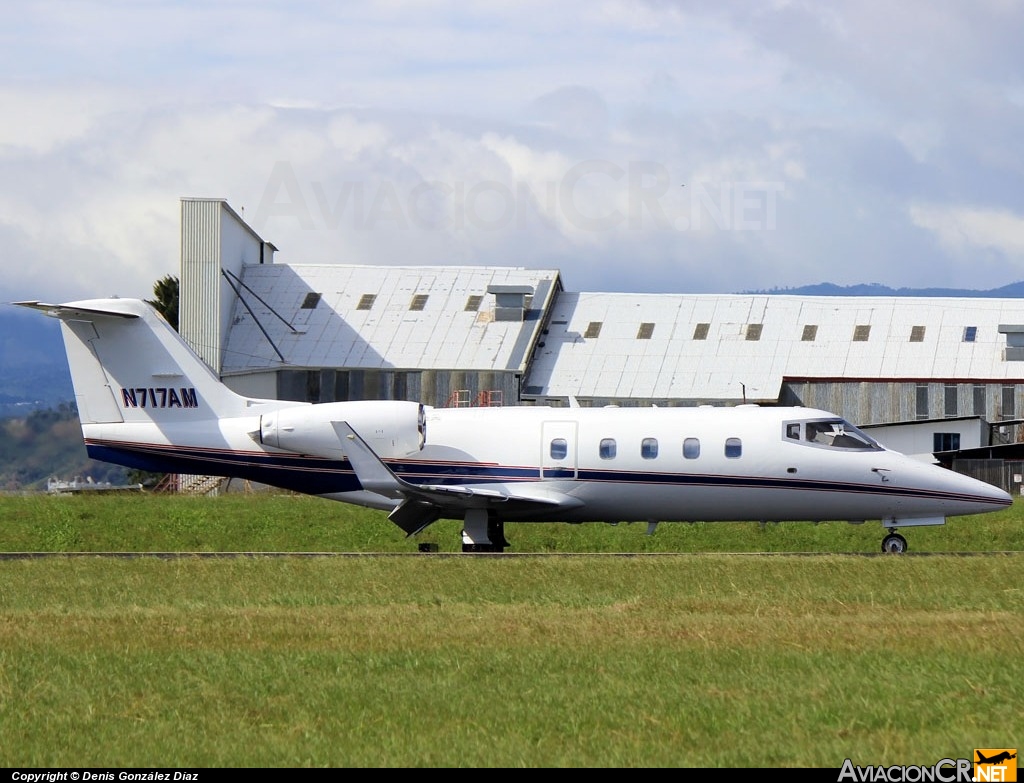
column 831, row 433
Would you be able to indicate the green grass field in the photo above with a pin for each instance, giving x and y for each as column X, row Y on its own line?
column 701, row 656
column 271, row 522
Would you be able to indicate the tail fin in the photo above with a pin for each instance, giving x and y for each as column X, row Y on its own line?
column 129, row 365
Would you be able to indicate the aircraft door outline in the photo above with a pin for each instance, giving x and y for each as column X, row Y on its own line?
column 558, row 438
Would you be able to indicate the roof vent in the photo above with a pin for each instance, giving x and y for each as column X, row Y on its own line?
column 510, row 301
column 1014, row 341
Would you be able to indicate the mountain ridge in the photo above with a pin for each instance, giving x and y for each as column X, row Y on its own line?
column 1009, row 291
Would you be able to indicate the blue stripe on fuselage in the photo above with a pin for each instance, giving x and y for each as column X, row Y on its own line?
column 319, row 476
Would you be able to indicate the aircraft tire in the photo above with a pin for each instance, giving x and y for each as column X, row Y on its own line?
column 894, row 544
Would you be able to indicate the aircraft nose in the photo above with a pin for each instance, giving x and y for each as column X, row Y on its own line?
column 985, row 496
column 999, row 496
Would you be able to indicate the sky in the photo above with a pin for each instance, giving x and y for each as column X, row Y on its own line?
column 704, row 146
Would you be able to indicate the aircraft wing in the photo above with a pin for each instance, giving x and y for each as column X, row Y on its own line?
column 422, row 504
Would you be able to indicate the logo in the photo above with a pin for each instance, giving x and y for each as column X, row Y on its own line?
column 995, row 765
column 942, row 771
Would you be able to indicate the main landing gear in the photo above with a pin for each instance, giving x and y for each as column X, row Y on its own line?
column 894, row 544
column 483, row 532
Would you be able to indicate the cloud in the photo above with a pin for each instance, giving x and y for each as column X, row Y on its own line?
column 967, row 230
column 687, row 146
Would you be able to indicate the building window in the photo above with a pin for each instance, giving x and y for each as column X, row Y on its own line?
column 917, row 334
column 861, row 332
column 419, row 301
column 311, row 301
column 980, row 399
column 700, row 331
column 733, row 447
column 970, row 334
column 312, row 386
column 950, row 400
column 946, row 441
column 559, row 448
column 473, row 303
column 810, row 333
column 366, row 302
column 1009, row 401
column 922, row 401
column 645, row 332
column 754, row 331
column 593, row 329
column 649, row 448
column 607, row 448
column 691, row 448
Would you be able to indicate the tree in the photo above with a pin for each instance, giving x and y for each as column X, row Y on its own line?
column 166, row 303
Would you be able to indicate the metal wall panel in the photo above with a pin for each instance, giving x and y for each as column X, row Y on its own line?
column 431, row 387
column 882, row 402
column 200, row 278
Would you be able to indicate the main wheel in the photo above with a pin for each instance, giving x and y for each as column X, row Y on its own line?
column 894, row 544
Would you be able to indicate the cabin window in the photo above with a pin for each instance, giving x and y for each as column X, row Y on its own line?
column 649, row 448
column 691, row 448
column 645, row 332
column 733, row 447
column 559, row 448
column 311, row 301
column 607, row 448
column 593, row 330
column 793, row 431
column 419, row 301
column 754, row 331
column 861, row 333
column 473, row 303
column 700, row 331
column 810, row 333
column 366, row 302
column 970, row 334
column 917, row 334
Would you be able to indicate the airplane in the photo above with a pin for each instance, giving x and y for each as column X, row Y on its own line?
column 147, row 401
column 996, row 759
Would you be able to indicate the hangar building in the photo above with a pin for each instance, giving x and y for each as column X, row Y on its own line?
column 942, row 376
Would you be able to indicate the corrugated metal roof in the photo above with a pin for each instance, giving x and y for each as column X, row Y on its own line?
column 392, row 333
column 672, row 364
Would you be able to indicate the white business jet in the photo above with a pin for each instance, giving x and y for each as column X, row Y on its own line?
column 146, row 401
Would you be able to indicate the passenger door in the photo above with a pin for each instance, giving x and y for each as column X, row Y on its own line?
column 558, row 447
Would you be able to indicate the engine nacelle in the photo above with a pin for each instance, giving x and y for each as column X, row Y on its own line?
column 391, row 428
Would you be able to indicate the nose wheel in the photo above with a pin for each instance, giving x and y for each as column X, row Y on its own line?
column 894, row 544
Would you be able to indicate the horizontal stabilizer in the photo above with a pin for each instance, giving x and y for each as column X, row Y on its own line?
column 73, row 311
